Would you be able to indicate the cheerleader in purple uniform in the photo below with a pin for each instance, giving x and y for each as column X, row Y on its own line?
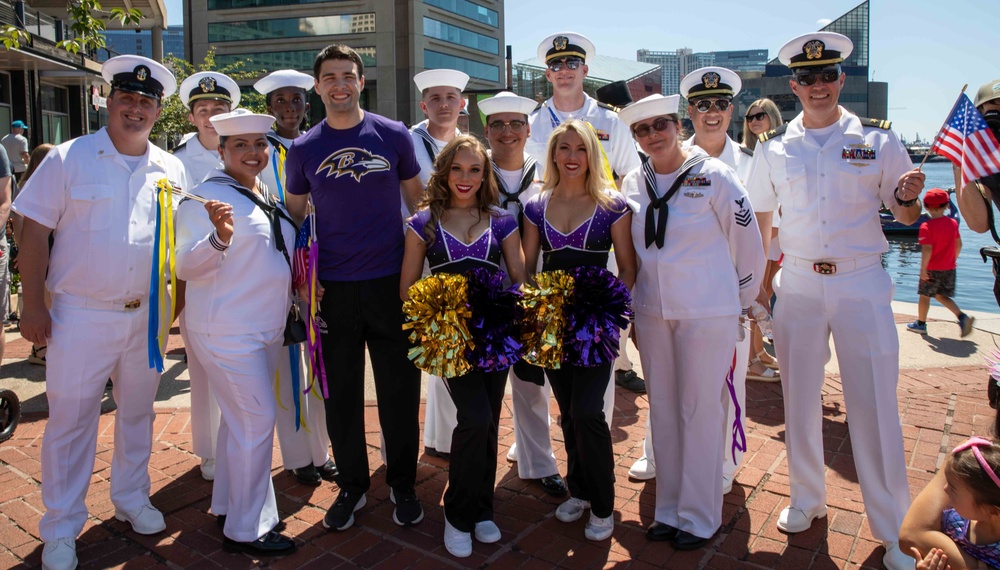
column 459, row 228
column 574, row 222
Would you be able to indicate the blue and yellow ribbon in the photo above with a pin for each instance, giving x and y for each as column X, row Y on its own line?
column 161, row 303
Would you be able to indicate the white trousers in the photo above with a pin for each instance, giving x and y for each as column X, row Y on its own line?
column 86, row 348
column 204, row 407
column 310, row 444
column 685, row 363
column 440, row 415
column 854, row 306
column 241, row 371
column 623, row 362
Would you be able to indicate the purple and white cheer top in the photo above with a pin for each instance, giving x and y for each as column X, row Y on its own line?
column 448, row 254
column 587, row 245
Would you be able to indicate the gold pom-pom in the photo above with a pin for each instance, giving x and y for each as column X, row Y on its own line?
column 544, row 321
column 437, row 314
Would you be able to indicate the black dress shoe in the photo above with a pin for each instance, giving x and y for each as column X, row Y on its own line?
column 435, row 453
column 308, row 475
column 661, row 532
column 220, row 521
column 553, row 485
column 687, row 541
column 328, row 471
column 271, row 544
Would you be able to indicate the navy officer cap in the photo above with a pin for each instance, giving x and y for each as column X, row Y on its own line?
column 137, row 74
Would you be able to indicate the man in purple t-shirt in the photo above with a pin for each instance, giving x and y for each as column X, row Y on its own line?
column 352, row 165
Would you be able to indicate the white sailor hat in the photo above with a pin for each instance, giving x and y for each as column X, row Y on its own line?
column 817, row 49
column 565, row 44
column 440, row 78
column 241, row 122
column 209, row 85
column 137, row 74
column 655, row 105
column 711, row 81
column 284, row 78
column 507, row 102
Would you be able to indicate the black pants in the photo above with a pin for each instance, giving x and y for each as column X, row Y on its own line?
column 590, row 472
column 360, row 313
column 472, row 471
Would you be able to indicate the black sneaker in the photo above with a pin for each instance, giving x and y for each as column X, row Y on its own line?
column 341, row 514
column 408, row 510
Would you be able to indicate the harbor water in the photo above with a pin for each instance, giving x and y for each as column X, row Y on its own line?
column 974, row 281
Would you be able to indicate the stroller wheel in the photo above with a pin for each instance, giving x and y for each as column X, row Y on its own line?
column 10, row 413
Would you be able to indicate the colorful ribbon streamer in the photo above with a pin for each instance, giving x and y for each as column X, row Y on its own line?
column 739, row 435
column 161, row 303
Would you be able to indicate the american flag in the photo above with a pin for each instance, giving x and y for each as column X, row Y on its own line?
column 967, row 141
column 300, row 259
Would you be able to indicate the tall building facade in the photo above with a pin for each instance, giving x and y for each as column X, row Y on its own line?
column 642, row 79
column 140, row 42
column 677, row 64
column 396, row 40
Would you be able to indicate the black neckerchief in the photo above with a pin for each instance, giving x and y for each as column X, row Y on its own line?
column 269, row 207
column 527, row 177
column 429, row 144
column 656, row 228
column 275, row 141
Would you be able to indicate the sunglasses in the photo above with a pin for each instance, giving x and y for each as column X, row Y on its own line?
column 756, row 117
column 515, row 126
column 704, row 105
column 825, row 76
column 660, row 124
column 570, row 63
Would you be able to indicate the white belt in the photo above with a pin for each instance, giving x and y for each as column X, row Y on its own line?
column 88, row 303
column 833, row 267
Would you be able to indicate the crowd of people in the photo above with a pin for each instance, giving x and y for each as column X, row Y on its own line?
column 687, row 224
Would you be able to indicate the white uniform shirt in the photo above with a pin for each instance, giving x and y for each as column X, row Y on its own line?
column 268, row 175
column 731, row 155
column 829, row 195
column 245, row 288
column 509, row 182
column 103, row 215
column 425, row 160
column 615, row 136
column 712, row 259
column 197, row 159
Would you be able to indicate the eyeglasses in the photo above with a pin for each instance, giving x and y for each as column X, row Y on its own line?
column 756, row 117
column 660, row 124
column 704, row 105
column 515, row 126
column 571, row 63
column 826, row 76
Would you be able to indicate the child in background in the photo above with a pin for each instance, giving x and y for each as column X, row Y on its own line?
column 941, row 246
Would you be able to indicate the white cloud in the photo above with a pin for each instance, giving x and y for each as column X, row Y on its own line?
column 823, row 21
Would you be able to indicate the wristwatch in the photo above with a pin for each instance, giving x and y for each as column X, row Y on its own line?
column 905, row 204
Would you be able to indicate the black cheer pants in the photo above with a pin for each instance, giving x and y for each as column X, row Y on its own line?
column 358, row 314
column 590, row 472
column 472, row 470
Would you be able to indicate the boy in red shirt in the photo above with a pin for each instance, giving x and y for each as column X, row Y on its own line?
column 941, row 245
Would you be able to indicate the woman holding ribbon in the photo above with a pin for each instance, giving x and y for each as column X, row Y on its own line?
column 237, row 267
column 700, row 265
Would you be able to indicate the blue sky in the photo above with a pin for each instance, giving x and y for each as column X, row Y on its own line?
column 925, row 49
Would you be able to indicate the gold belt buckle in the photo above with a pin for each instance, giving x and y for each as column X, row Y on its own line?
column 130, row 305
column 825, row 268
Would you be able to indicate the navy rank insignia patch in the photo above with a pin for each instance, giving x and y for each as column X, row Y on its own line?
column 141, row 72
column 355, row 162
column 744, row 216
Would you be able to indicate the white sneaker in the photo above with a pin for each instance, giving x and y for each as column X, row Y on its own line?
column 147, row 520
column 643, row 469
column 458, row 543
column 512, row 452
column 208, row 469
column 59, row 554
column 792, row 520
column 894, row 558
column 572, row 509
column 487, row 532
column 599, row 528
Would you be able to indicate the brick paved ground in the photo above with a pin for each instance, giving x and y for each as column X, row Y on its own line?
column 939, row 408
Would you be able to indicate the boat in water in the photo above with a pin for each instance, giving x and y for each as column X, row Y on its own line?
column 919, row 149
column 890, row 226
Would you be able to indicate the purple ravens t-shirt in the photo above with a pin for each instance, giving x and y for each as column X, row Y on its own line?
column 354, row 176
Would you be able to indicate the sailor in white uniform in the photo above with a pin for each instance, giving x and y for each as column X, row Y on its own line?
column 205, row 94
column 830, row 171
column 304, row 440
column 700, row 264
column 507, row 131
column 710, row 91
column 441, row 100
column 234, row 252
column 96, row 194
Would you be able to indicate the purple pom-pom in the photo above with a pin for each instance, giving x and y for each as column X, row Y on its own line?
column 599, row 308
column 496, row 316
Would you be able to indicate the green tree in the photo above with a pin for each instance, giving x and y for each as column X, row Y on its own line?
column 87, row 21
column 173, row 122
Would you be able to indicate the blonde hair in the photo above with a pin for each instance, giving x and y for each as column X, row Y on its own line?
column 773, row 113
column 597, row 181
column 437, row 197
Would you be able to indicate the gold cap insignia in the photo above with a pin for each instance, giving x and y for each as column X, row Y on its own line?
column 560, row 42
column 207, row 84
column 141, row 72
column 710, row 80
column 814, row 49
